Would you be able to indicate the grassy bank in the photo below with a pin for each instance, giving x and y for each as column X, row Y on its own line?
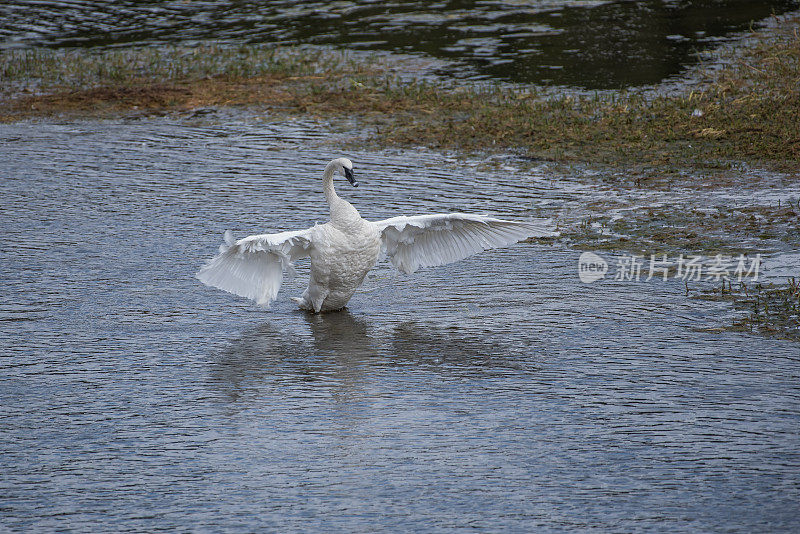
column 747, row 110
column 108, row 82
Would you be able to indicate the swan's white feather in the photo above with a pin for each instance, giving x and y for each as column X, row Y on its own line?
column 440, row 238
column 252, row 267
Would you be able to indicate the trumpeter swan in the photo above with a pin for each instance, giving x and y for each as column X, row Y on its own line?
column 343, row 250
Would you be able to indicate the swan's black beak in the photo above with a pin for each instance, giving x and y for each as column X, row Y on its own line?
column 350, row 178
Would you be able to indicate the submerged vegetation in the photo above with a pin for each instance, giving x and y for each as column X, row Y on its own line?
column 679, row 226
column 747, row 108
column 767, row 309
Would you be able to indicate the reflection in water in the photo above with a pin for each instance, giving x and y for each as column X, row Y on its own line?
column 341, row 349
column 334, row 353
column 593, row 44
column 341, row 335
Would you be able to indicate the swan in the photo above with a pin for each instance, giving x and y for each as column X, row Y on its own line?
column 345, row 249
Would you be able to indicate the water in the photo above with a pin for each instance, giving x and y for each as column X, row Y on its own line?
column 498, row 393
column 590, row 44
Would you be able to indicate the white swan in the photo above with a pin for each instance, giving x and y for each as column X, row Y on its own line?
column 343, row 250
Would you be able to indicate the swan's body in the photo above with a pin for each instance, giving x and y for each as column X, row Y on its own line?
column 345, row 249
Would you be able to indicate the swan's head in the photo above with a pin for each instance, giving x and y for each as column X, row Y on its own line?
column 345, row 168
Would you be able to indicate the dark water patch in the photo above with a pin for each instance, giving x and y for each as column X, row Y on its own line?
column 589, row 44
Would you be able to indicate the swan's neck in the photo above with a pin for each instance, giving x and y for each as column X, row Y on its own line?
column 327, row 185
column 341, row 210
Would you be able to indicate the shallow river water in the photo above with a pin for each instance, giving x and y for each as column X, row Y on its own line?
column 497, row 394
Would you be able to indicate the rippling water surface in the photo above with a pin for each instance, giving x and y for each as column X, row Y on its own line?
column 497, row 394
column 588, row 43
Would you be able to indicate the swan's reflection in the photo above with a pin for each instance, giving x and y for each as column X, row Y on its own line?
column 338, row 351
column 341, row 335
column 286, row 355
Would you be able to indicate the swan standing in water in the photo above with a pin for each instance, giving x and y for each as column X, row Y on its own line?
column 344, row 250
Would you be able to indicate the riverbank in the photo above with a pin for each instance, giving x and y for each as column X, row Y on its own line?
column 743, row 104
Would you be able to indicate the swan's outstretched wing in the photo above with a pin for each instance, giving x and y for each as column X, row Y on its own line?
column 253, row 267
column 429, row 240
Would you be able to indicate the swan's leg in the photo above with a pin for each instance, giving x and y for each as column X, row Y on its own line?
column 304, row 302
column 317, row 298
column 317, row 290
column 312, row 298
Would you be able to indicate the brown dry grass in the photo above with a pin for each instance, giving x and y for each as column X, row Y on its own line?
column 152, row 97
